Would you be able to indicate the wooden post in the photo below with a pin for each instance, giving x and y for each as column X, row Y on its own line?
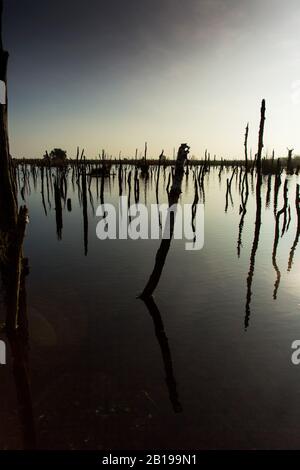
column 8, row 190
column 163, row 250
column 261, row 135
column 258, row 214
column 246, row 147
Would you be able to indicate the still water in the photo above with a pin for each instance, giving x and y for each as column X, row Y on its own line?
column 207, row 364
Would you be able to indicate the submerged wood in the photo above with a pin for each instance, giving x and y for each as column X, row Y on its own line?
column 258, row 214
column 166, row 242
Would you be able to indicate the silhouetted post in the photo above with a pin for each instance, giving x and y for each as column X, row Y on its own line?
column 228, row 191
column 129, row 187
column 290, row 161
column 293, row 249
column 258, row 213
column 69, row 205
column 13, row 270
column 102, row 188
column 136, row 186
column 244, row 194
column 246, row 147
column 277, row 185
column 120, row 178
column 8, row 189
column 166, row 242
column 158, row 174
column 276, row 239
column 58, row 209
column 85, row 212
column 194, row 208
column 43, row 190
column 268, row 195
column 12, row 223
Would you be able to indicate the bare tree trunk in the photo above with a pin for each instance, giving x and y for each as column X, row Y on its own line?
column 8, row 192
column 163, row 250
column 258, row 214
column 246, row 147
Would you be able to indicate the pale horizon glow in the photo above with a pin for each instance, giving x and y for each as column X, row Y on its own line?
column 166, row 72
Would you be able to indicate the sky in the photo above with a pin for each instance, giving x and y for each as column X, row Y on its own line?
column 112, row 74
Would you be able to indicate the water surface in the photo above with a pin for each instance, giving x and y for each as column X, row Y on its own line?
column 207, row 364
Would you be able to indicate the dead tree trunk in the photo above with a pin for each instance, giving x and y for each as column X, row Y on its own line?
column 258, row 213
column 8, row 191
column 166, row 242
column 246, row 147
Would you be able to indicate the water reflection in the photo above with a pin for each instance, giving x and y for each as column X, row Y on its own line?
column 210, row 288
column 14, row 269
column 293, row 249
column 165, row 352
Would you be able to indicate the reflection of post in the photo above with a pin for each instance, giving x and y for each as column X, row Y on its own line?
column 19, row 346
column 228, row 191
column 13, row 268
column 166, row 242
column 293, row 249
column 276, row 239
column 258, row 214
column 84, row 209
column 43, row 189
column 244, row 195
column 58, row 209
column 165, row 351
